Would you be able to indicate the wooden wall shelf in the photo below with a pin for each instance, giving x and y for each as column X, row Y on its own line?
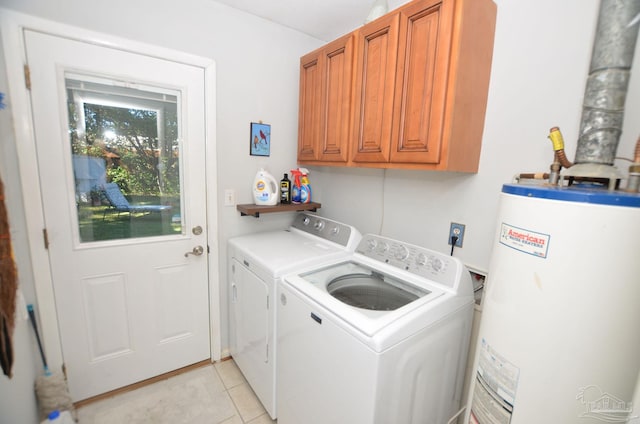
column 256, row 210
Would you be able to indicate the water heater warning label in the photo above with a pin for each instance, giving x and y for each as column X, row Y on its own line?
column 526, row 241
column 487, row 408
column 495, row 388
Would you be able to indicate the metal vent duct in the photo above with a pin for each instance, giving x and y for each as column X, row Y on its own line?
column 609, row 73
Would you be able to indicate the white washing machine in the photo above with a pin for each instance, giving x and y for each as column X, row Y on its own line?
column 377, row 338
column 256, row 264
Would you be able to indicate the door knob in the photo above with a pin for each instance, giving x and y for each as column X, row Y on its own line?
column 197, row 251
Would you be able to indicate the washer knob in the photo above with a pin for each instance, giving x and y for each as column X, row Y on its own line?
column 382, row 247
column 402, row 253
column 372, row 244
column 421, row 259
column 306, row 220
column 437, row 264
column 319, row 225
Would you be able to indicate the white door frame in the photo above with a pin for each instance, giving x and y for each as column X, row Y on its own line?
column 12, row 25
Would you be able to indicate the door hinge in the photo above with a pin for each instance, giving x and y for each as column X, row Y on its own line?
column 45, row 236
column 27, row 77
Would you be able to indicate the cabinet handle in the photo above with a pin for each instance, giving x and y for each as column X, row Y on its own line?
column 234, row 292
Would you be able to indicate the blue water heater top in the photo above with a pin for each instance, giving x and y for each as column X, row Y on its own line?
column 576, row 193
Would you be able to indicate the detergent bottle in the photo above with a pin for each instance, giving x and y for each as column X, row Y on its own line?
column 265, row 189
column 305, row 186
column 296, row 187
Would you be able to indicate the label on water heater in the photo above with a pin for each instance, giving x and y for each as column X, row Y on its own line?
column 495, row 388
column 497, row 372
column 487, row 408
column 526, row 241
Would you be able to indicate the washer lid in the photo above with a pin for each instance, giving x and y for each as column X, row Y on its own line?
column 397, row 296
column 281, row 252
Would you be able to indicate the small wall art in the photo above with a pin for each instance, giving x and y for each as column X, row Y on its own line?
column 260, row 143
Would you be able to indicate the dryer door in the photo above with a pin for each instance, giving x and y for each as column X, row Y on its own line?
column 249, row 328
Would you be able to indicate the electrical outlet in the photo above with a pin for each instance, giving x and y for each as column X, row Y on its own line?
column 458, row 231
column 229, row 197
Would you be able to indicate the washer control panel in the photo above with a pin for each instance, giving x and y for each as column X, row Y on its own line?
column 418, row 260
column 325, row 228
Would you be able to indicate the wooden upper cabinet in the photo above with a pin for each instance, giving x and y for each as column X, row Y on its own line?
column 421, row 80
column 374, row 87
column 419, row 90
column 325, row 102
column 309, row 107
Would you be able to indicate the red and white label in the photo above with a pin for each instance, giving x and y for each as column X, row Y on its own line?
column 526, row 241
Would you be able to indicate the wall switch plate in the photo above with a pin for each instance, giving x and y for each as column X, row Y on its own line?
column 229, row 197
column 456, row 230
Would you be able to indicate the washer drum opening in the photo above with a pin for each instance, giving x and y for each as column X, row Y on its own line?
column 369, row 291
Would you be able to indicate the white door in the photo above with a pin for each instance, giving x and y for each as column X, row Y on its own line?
column 131, row 303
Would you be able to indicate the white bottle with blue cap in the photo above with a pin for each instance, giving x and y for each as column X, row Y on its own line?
column 265, row 189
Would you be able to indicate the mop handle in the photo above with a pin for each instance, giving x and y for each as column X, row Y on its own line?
column 32, row 318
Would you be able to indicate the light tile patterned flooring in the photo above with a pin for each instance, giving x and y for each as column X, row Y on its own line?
column 213, row 394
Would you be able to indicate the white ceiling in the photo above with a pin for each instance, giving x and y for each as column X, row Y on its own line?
column 322, row 19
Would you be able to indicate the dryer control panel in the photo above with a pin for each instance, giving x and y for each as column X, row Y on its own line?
column 426, row 263
column 337, row 232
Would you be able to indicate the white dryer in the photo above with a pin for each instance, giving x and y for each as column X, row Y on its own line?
column 255, row 267
column 377, row 338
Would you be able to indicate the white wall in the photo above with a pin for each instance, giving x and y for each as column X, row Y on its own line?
column 540, row 64
column 17, row 398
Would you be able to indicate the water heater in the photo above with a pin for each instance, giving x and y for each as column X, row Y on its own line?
column 559, row 340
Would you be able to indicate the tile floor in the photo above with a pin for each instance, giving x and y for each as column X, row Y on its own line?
column 214, row 394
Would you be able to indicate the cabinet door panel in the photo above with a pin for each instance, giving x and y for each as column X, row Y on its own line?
column 336, row 91
column 375, row 78
column 421, row 83
column 309, row 114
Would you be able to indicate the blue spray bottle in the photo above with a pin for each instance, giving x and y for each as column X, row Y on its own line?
column 305, row 186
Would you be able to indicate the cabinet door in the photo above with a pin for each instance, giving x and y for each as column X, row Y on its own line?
column 336, row 92
column 375, row 78
column 310, row 107
column 325, row 102
column 421, row 82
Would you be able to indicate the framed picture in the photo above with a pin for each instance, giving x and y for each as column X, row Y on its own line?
column 260, row 143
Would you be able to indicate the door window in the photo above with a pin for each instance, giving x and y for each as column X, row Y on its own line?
column 125, row 149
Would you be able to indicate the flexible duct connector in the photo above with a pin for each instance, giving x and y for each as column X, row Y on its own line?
column 558, row 147
column 609, row 73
